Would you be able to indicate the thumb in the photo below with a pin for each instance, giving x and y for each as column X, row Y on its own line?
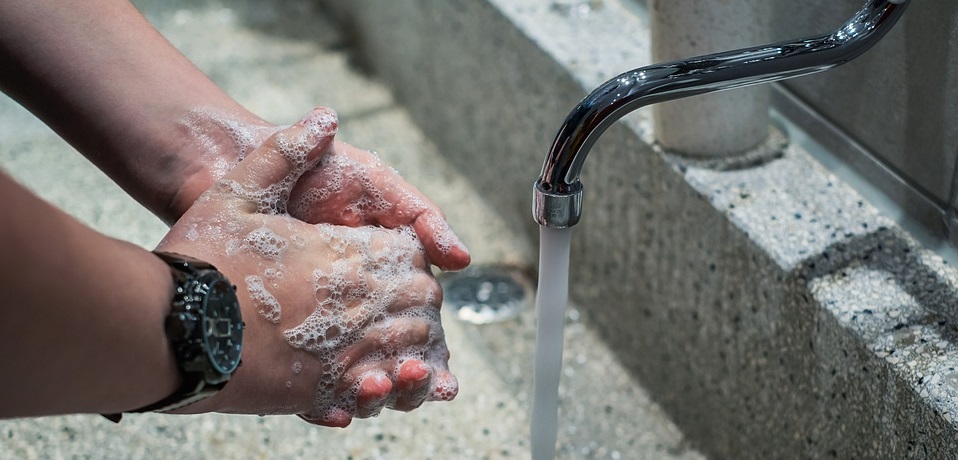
column 268, row 173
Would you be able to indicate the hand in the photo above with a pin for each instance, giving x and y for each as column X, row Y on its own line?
column 353, row 187
column 349, row 186
column 341, row 321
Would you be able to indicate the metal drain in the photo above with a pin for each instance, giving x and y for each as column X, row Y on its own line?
column 486, row 293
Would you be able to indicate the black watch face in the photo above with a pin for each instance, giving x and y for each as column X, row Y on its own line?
column 223, row 326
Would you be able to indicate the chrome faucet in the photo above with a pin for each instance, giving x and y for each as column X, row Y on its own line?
column 557, row 194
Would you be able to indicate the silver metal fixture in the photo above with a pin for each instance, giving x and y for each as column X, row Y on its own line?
column 557, row 194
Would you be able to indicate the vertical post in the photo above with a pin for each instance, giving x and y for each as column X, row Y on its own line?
column 717, row 124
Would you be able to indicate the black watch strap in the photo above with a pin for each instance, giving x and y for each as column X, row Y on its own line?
column 192, row 385
column 197, row 384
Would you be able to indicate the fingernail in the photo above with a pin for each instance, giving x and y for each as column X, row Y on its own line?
column 320, row 122
column 446, row 389
column 422, row 373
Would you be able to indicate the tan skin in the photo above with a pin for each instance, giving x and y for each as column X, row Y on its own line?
column 228, row 214
column 51, row 365
column 107, row 82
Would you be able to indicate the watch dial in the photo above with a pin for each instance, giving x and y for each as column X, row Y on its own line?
column 223, row 326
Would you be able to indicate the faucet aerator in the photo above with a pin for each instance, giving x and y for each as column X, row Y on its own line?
column 557, row 209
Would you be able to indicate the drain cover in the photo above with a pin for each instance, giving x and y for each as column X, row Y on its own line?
column 486, row 293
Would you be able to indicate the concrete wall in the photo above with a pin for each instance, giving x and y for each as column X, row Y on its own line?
column 769, row 309
column 900, row 100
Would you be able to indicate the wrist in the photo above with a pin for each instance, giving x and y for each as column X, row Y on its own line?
column 93, row 342
column 155, row 372
column 209, row 143
column 204, row 331
column 141, row 368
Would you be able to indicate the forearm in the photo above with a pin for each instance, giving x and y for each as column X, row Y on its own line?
column 82, row 315
column 102, row 77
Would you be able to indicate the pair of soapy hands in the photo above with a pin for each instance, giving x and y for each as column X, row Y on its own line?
column 330, row 251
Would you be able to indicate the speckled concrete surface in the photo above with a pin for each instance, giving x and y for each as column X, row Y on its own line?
column 280, row 59
column 771, row 310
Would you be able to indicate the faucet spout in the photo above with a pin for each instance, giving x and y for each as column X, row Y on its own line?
column 557, row 194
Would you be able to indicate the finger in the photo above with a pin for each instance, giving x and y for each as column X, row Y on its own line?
column 373, row 394
column 335, row 417
column 442, row 245
column 276, row 164
column 445, row 387
column 352, row 187
column 390, row 337
column 412, row 385
column 409, row 207
column 423, row 291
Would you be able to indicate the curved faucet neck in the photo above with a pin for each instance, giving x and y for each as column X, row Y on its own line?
column 557, row 192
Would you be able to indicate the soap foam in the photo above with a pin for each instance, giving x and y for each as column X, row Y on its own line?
column 347, row 298
column 268, row 306
column 346, row 302
column 192, row 233
column 273, row 274
column 444, row 238
column 267, row 243
column 446, row 389
column 226, row 141
column 223, row 138
column 344, row 176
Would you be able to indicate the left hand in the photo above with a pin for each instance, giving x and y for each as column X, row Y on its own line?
column 350, row 186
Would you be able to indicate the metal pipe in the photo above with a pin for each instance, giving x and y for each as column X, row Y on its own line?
column 557, row 194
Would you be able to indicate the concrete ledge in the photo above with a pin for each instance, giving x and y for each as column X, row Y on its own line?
column 771, row 310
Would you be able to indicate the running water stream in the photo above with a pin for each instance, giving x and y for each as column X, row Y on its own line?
column 551, row 298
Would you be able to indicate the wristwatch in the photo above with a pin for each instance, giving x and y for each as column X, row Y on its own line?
column 205, row 329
